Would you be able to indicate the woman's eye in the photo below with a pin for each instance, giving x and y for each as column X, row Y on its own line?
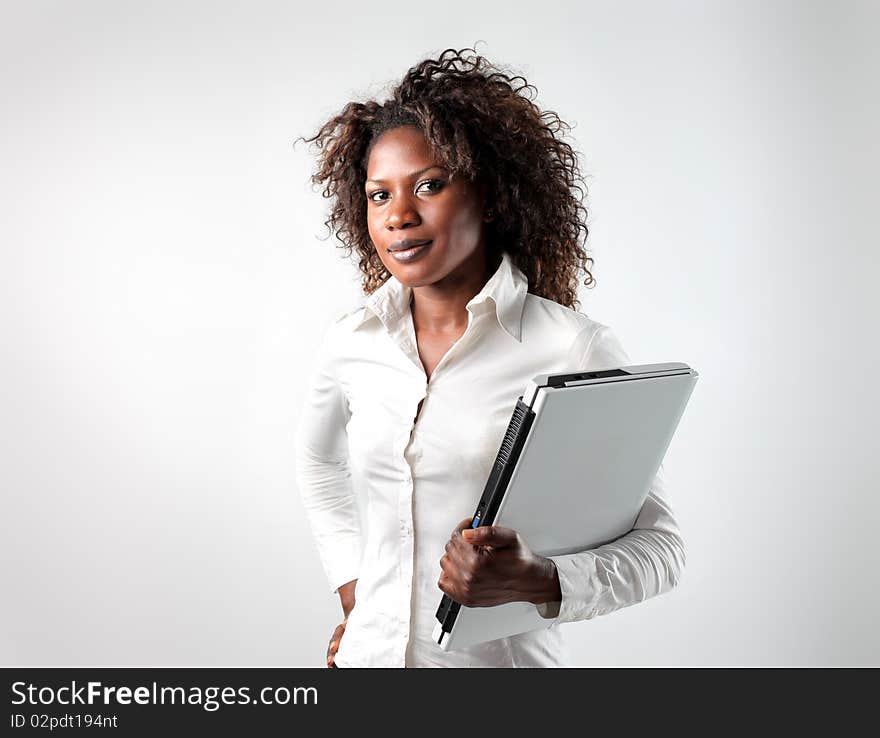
column 372, row 195
column 437, row 184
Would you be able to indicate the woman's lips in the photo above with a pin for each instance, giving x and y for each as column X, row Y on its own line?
column 407, row 255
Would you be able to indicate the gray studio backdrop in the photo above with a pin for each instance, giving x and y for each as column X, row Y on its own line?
column 164, row 286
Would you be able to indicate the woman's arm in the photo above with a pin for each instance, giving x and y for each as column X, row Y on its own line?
column 346, row 597
column 322, row 472
column 643, row 563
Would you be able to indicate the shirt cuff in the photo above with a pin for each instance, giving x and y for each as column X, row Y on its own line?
column 343, row 564
column 578, row 584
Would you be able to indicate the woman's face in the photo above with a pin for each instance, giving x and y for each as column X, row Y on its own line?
column 411, row 198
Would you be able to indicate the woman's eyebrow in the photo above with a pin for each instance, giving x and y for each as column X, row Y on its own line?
column 412, row 175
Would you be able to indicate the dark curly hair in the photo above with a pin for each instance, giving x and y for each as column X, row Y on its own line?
column 479, row 123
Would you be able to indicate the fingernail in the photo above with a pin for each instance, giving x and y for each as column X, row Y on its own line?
column 333, row 644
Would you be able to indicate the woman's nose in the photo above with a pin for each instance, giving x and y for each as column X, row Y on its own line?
column 401, row 214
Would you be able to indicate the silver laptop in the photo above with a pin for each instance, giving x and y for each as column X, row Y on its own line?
column 574, row 469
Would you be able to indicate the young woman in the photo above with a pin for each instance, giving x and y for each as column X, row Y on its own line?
column 464, row 205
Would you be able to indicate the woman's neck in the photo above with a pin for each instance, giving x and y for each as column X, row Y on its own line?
column 442, row 307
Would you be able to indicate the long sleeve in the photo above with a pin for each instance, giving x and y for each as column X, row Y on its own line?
column 646, row 562
column 322, row 470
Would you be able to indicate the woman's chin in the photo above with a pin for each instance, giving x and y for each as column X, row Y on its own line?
column 417, row 274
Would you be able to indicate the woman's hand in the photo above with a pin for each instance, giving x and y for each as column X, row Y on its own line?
column 334, row 644
column 347, row 600
column 492, row 565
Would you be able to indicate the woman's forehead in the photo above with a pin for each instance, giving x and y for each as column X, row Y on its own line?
column 397, row 151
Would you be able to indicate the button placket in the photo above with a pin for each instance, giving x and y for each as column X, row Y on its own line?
column 405, row 512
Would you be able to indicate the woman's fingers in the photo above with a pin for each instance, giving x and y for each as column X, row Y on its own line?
column 334, row 643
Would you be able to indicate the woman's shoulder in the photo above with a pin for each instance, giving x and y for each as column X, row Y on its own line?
column 543, row 314
column 592, row 343
column 339, row 328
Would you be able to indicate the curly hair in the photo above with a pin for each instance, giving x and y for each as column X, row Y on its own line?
column 480, row 123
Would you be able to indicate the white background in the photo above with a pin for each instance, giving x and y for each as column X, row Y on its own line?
column 165, row 282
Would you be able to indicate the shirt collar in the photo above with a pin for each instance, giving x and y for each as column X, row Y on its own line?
column 505, row 291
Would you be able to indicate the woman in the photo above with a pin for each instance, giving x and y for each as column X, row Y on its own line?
column 464, row 206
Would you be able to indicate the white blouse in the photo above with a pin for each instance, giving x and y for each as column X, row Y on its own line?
column 358, row 434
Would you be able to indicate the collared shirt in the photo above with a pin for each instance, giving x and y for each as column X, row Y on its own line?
column 420, row 474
